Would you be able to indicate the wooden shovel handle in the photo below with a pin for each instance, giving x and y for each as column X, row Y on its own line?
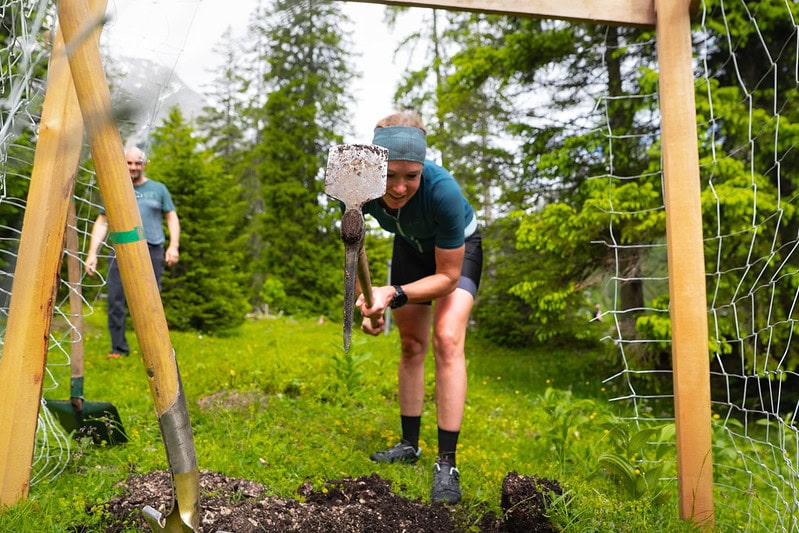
column 365, row 279
column 135, row 266
column 132, row 255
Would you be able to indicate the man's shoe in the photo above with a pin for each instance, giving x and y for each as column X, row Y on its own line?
column 446, row 483
column 400, row 453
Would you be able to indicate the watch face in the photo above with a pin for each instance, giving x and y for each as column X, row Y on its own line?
column 399, row 299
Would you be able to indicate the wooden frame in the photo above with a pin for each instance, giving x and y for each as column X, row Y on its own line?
column 690, row 353
column 22, row 365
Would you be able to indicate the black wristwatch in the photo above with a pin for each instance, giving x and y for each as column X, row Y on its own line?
column 399, row 299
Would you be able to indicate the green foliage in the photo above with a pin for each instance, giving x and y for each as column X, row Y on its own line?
column 299, row 63
column 500, row 315
column 348, row 368
column 273, row 294
column 205, row 290
column 566, row 417
column 553, row 285
column 638, row 462
column 657, row 326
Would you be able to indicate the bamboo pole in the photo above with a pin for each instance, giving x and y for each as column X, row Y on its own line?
column 135, row 267
column 687, row 289
column 31, row 307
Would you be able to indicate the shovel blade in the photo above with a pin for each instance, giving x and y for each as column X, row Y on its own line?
column 356, row 173
column 99, row 420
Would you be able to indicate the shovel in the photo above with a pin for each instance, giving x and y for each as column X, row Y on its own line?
column 356, row 174
column 98, row 420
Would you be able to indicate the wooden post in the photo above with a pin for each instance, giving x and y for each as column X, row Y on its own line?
column 691, row 360
column 76, row 351
column 35, row 277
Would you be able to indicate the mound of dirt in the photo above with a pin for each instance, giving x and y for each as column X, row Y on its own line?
column 360, row 505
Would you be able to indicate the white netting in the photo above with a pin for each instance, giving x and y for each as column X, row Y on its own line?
column 747, row 140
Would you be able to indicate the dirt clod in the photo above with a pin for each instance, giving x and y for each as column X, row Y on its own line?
column 524, row 502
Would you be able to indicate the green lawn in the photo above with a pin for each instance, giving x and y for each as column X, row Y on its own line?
column 278, row 402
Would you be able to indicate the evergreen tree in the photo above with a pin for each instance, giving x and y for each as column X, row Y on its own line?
column 572, row 235
column 467, row 124
column 205, row 290
column 228, row 133
column 221, row 121
column 300, row 75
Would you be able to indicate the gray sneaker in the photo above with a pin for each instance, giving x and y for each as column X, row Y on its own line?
column 446, row 484
column 400, row 453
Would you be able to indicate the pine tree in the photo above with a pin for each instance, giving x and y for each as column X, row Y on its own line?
column 222, row 122
column 205, row 290
column 300, row 71
column 226, row 127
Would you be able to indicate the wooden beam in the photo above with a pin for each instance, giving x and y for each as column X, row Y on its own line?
column 684, row 239
column 614, row 12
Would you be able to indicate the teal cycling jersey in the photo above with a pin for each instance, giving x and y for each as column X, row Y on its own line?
column 438, row 215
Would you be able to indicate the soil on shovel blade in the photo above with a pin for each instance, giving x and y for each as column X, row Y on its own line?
column 352, row 505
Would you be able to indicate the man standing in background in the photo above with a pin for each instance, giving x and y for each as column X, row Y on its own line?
column 155, row 206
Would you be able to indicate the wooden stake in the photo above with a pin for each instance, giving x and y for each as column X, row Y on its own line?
column 36, row 274
column 76, row 351
column 691, row 359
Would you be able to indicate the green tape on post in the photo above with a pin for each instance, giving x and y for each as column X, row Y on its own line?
column 127, row 237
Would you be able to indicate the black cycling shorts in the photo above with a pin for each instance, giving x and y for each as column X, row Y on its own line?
column 408, row 265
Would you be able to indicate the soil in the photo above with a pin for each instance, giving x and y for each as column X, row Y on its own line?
column 353, row 505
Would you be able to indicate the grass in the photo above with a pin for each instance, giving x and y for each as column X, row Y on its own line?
column 278, row 402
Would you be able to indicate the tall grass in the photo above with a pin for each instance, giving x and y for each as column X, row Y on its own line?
column 279, row 402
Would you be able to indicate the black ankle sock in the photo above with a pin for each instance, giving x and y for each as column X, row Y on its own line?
column 410, row 429
column 447, row 443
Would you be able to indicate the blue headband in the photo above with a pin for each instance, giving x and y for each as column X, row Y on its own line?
column 404, row 143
